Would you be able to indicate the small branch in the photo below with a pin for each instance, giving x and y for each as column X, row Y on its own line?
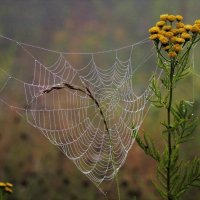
column 100, row 110
column 87, row 92
column 61, row 86
column 57, row 87
column 74, row 88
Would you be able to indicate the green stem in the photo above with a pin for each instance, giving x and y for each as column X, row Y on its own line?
column 169, row 129
column 1, row 195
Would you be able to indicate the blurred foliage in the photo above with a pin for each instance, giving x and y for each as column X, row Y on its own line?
column 39, row 170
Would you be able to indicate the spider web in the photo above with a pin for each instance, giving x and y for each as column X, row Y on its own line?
column 71, row 119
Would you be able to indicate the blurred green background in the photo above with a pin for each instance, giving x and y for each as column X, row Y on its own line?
column 38, row 169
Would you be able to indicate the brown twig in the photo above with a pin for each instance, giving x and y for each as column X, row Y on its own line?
column 90, row 95
column 87, row 92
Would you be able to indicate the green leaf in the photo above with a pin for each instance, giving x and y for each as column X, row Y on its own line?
column 160, row 190
column 148, row 146
column 189, row 175
column 184, row 122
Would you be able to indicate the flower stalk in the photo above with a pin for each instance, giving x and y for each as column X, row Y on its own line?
column 174, row 41
column 169, row 125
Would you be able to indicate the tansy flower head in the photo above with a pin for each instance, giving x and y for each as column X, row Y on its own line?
column 9, row 184
column 160, row 35
column 7, row 189
column 153, row 37
column 164, row 17
column 163, row 40
column 2, row 184
column 175, row 31
column 180, row 40
column 160, row 23
column 171, row 18
column 197, row 21
column 169, row 34
column 154, row 29
column 177, row 48
column 195, row 29
column 172, row 54
column 162, row 32
column 173, row 39
column 186, row 36
column 188, row 27
column 181, row 30
column 179, row 17
column 198, row 25
column 167, row 28
column 180, row 25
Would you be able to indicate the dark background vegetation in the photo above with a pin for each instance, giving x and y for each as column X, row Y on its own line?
column 38, row 169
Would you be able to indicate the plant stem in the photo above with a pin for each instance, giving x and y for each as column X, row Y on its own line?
column 1, row 195
column 169, row 128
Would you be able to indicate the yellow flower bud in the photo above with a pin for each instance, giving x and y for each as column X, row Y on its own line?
column 167, row 28
column 171, row 18
column 160, row 23
column 173, row 39
column 181, row 30
column 2, row 184
column 164, row 17
column 159, row 35
column 162, row 32
column 195, row 29
column 177, row 48
column 180, row 40
column 153, row 37
column 188, row 27
column 180, row 25
column 175, row 31
column 169, row 34
column 198, row 25
column 172, row 54
column 154, row 29
column 186, row 36
column 179, row 17
column 7, row 189
column 9, row 184
column 163, row 40
column 197, row 21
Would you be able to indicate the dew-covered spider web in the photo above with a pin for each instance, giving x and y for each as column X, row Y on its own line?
column 87, row 104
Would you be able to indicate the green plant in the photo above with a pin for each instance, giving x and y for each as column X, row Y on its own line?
column 173, row 41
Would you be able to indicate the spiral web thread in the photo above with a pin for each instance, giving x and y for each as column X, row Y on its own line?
column 72, row 121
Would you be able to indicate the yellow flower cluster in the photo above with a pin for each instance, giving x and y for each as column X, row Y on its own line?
column 7, row 187
column 172, row 34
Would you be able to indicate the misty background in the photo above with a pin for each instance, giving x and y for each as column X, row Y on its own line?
column 38, row 169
